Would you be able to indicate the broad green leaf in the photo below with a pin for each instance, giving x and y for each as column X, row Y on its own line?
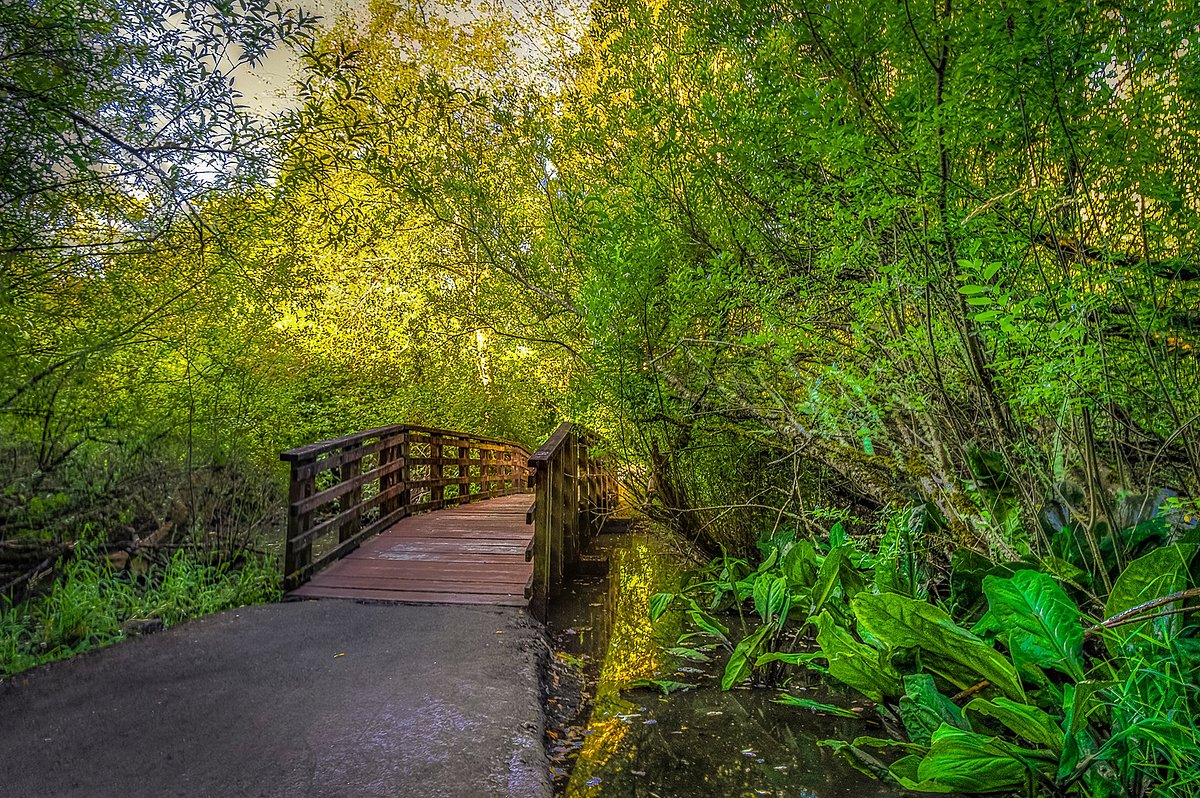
column 659, row 603
column 689, row 654
column 1079, row 702
column 815, row 706
column 745, row 653
column 923, row 709
column 968, row 762
column 1042, row 623
column 800, row 564
column 1030, row 723
column 827, row 580
column 771, row 597
column 666, row 686
column 854, row 664
column 769, row 563
column 709, row 624
column 947, row 649
column 789, row 658
column 1160, row 573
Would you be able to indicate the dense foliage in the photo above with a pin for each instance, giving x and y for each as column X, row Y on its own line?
column 925, row 268
column 1005, row 686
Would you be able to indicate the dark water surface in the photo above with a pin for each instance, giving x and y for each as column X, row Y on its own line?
column 702, row 742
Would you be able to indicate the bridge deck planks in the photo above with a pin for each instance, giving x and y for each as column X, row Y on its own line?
column 474, row 554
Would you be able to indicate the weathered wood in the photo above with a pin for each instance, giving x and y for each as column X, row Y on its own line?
column 387, row 479
column 573, row 491
column 383, row 476
column 480, row 551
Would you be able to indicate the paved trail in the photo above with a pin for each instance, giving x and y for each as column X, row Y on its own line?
column 305, row 699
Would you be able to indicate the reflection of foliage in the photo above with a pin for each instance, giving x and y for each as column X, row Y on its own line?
column 634, row 651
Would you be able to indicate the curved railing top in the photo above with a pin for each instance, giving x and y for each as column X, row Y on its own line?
column 344, row 490
column 314, row 450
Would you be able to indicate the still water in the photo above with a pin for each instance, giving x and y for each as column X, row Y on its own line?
column 636, row 743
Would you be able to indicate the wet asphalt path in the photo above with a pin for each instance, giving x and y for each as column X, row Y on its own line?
column 307, row 699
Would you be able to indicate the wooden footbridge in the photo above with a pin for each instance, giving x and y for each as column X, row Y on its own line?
column 413, row 514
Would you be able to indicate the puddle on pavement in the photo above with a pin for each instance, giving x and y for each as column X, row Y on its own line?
column 696, row 743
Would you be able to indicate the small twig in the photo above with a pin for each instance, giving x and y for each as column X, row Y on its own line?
column 1152, row 616
column 972, row 690
column 1119, row 618
column 29, row 575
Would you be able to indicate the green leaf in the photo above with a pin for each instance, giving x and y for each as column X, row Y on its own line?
column 789, row 658
column 659, row 603
column 709, row 624
column 1079, row 702
column 771, row 597
column 827, row 579
column 947, row 649
column 964, row 761
column 815, row 706
column 854, row 664
column 974, row 289
column 744, row 655
column 837, row 535
column 665, row 685
column 689, row 654
column 1160, row 573
column 862, row 761
column 1042, row 623
column 1027, row 722
column 800, row 564
column 923, row 709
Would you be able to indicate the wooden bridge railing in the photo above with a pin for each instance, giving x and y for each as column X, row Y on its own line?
column 575, row 491
column 345, row 490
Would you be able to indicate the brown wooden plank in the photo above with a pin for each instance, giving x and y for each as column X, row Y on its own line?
column 429, row 569
column 452, row 586
column 429, row 583
column 473, row 553
column 408, row 597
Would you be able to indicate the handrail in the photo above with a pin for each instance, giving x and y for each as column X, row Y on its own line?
column 575, row 492
column 360, row 484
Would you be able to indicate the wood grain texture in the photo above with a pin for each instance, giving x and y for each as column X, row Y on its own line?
column 473, row 554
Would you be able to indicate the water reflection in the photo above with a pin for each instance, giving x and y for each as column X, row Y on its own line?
column 701, row 742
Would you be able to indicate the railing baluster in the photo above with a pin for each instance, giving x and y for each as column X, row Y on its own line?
column 316, row 515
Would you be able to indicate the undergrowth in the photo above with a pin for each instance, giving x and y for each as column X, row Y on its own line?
column 91, row 603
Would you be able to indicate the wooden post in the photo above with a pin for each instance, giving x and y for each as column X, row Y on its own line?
column 587, row 494
column 437, row 493
column 543, row 525
column 558, row 511
column 351, row 501
column 464, row 472
column 297, row 558
column 570, row 515
column 405, row 499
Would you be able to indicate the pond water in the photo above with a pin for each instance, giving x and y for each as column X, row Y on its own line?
column 636, row 743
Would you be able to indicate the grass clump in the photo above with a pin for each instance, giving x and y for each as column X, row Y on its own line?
column 91, row 604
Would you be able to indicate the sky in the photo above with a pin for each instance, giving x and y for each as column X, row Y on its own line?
column 269, row 87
